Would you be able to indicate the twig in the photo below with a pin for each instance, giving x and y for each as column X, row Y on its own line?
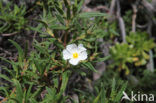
column 5, row 51
column 66, row 33
column 134, row 17
column 112, row 7
column 111, row 10
column 65, row 38
column 149, row 28
column 141, row 26
column 122, row 28
column 150, row 65
column 149, row 10
column 121, row 22
column 9, row 34
column 101, row 7
column 149, row 6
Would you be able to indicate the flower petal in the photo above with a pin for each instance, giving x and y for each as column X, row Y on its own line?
column 66, row 54
column 81, row 48
column 74, row 61
column 71, row 48
column 83, row 55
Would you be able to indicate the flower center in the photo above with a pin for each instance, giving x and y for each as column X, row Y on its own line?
column 75, row 55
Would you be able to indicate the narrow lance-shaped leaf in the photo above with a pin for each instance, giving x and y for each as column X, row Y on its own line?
column 89, row 66
column 104, row 59
column 113, row 89
column 91, row 14
column 59, row 10
column 68, row 13
column 119, row 95
column 19, row 91
column 103, row 94
column 96, row 100
column 20, row 50
column 65, row 77
column 5, row 77
column 74, row 10
column 60, row 18
column 80, row 5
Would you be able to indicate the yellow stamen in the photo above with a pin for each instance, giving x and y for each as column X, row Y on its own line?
column 75, row 55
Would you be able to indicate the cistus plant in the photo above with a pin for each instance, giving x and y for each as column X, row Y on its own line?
column 69, row 46
column 12, row 18
column 66, row 53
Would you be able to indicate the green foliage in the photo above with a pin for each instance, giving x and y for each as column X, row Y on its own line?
column 91, row 14
column 40, row 75
column 89, row 66
column 128, row 20
column 121, row 54
column 145, row 85
column 110, row 93
column 135, row 51
column 115, row 94
column 12, row 18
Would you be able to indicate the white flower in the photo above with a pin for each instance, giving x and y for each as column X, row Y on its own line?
column 74, row 53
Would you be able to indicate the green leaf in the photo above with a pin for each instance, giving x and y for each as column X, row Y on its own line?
column 1, row 58
column 50, row 97
column 68, row 13
column 89, row 66
column 37, row 92
column 14, row 99
column 65, row 77
column 80, row 5
column 120, row 93
column 38, row 29
column 42, row 22
column 96, row 100
column 103, row 95
column 103, row 59
column 59, row 10
column 74, row 10
column 32, row 100
column 5, row 77
column 19, row 91
column 28, row 94
column 91, row 14
column 58, row 27
column 60, row 18
column 113, row 89
column 20, row 50
column 5, row 90
column 51, row 91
